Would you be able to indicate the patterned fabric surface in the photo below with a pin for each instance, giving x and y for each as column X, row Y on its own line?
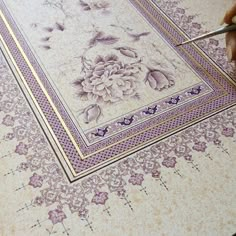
column 107, row 128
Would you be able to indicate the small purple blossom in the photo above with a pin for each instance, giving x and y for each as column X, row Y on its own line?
column 38, row 201
column 121, row 192
column 169, row 162
column 228, row 132
column 36, row 181
column 8, row 120
column 83, row 213
column 136, row 179
column 23, row 166
column 56, row 216
column 100, row 198
column 21, row 149
column 217, row 142
column 156, row 173
column 9, row 136
column 188, row 157
column 199, row 146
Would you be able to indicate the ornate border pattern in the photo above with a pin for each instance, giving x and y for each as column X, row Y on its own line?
column 151, row 128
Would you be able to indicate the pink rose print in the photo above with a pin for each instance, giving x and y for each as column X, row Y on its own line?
column 228, row 132
column 108, row 80
column 21, row 149
column 56, row 216
column 8, row 120
column 100, row 198
column 36, row 181
column 136, row 179
column 159, row 80
column 169, row 162
column 199, row 146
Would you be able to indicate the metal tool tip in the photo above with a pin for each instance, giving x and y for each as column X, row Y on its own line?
column 178, row 45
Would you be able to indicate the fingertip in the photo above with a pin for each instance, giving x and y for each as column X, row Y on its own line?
column 231, row 46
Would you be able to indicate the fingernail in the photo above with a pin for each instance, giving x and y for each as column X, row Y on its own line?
column 234, row 19
column 222, row 21
column 229, row 53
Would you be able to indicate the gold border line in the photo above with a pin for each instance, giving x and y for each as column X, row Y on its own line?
column 214, row 81
column 34, row 100
column 39, row 82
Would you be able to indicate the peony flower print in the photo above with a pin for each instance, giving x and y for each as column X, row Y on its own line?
column 108, row 80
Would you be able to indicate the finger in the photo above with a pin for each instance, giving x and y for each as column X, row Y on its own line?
column 229, row 15
column 231, row 46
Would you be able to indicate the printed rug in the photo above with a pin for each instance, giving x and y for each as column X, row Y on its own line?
column 100, row 112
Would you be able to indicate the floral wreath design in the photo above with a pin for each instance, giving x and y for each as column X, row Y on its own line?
column 47, row 175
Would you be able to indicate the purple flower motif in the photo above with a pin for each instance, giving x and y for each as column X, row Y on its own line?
column 8, row 120
column 108, row 80
column 100, row 198
column 181, row 150
column 21, row 149
column 188, row 157
column 83, row 213
column 136, row 179
column 199, row 146
column 38, row 201
column 127, row 165
column 228, row 132
column 180, row 10
column 23, row 166
column 50, row 196
column 159, row 149
column 217, row 142
column 159, row 80
column 121, row 192
column 56, row 216
column 211, row 135
column 20, row 132
column 36, row 181
column 169, row 162
column 156, row 173
column 9, row 136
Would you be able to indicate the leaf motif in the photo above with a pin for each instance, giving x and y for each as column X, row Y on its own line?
column 93, row 41
column 60, row 27
column 108, row 40
column 84, row 5
column 48, row 29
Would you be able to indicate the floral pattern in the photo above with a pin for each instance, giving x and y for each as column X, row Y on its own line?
column 108, row 80
column 56, row 216
column 114, row 179
column 36, row 181
column 100, row 198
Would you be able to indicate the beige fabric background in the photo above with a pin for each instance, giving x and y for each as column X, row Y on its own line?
column 198, row 203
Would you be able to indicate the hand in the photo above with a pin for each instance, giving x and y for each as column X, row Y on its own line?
column 229, row 18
